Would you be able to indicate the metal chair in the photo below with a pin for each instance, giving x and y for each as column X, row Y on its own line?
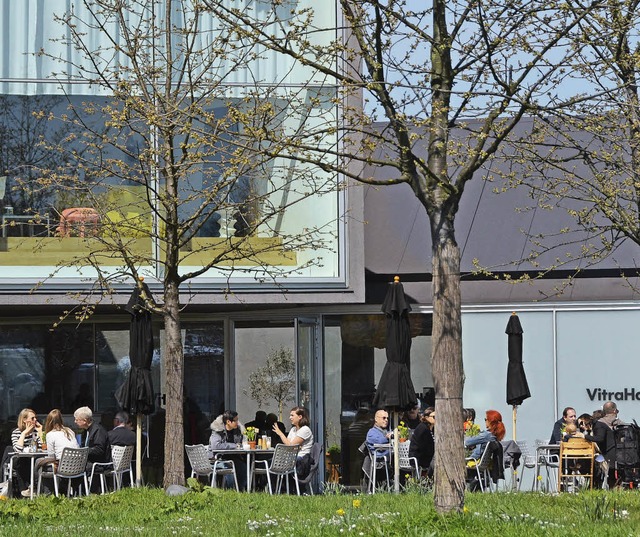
column 483, row 466
column 202, row 466
column 370, row 468
column 72, row 465
column 528, row 461
column 316, row 457
column 120, row 464
column 406, row 462
column 550, row 462
column 283, row 464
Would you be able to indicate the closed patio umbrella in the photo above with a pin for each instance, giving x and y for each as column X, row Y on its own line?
column 136, row 393
column 517, row 386
column 395, row 390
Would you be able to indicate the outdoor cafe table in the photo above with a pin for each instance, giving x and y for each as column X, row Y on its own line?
column 32, row 456
column 248, row 453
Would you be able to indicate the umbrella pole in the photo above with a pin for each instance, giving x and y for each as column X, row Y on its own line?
column 396, row 459
column 514, row 479
column 139, row 451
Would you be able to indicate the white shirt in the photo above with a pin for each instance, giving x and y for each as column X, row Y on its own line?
column 57, row 441
column 307, row 439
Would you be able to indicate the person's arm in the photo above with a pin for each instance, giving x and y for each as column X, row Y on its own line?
column 480, row 438
column 295, row 441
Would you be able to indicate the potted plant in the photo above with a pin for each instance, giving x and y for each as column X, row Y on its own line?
column 333, row 453
column 252, row 433
column 44, row 441
column 403, row 432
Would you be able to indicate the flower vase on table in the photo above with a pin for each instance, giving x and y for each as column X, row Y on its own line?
column 403, row 432
column 252, row 433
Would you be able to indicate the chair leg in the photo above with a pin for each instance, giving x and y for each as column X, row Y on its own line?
column 295, row 479
column 55, row 485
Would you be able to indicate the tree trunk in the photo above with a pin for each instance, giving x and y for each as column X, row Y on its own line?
column 174, row 381
column 446, row 364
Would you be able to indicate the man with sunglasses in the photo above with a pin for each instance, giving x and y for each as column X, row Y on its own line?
column 379, row 433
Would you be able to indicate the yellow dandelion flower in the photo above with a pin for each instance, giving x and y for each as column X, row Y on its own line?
column 356, row 503
column 465, row 509
column 539, row 478
column 340, row 512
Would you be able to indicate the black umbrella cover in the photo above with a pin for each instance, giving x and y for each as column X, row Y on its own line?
column 517, row 386
column 395, row 389
column 136, row 393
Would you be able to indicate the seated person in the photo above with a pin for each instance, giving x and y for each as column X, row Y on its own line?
column 494, row 431
column 585, row 422
column 299, row 435
column 422, row 445
column 379, row 433
column 58, row 437
column 568, row 416
column 260, row 422
column 470, row 427
column 27, row 434
column 411, row 417
column 95, row 437
column 571, row 431
column 121, row 435
column 226, row 433
column 271, row 420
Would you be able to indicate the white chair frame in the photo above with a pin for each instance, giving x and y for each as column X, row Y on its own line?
column 72, row 465
column 120, row 464
column 282, row 465
column 202, row 466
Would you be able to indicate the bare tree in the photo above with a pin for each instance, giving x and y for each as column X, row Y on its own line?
column 167, row 174
column 276, row 380
column 584, row 161
column 425, row 71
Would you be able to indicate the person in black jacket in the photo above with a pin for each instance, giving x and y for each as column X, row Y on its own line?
column 422, row 445
column 95, row 437
column 121, row 435
column 602, row 434
column 568, row 416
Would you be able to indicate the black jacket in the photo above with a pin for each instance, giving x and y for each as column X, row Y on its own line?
column 96, row 439
column 603, row 435
column 121, row 436
column 422, row 446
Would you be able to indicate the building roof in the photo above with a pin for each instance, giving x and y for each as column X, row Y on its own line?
column 492, row 229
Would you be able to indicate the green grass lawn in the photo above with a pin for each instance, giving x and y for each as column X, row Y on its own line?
column 225, row 514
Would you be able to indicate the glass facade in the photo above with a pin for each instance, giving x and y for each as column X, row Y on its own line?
column 83, row 166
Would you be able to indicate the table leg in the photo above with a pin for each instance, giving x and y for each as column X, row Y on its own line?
column 33, row 465
column 537, row 472
column 249, row 474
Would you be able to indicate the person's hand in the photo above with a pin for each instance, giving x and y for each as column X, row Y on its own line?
column 276, row 429
column 38, row 427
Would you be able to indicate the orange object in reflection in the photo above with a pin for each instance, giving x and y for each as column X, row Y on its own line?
column 78, row 222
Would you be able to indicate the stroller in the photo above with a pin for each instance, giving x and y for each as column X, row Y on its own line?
column 627, row 462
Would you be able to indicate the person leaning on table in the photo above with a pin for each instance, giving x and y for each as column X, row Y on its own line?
column 226, row 433
column 27, row 434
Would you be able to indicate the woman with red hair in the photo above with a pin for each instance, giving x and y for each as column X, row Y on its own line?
column 494, row 431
